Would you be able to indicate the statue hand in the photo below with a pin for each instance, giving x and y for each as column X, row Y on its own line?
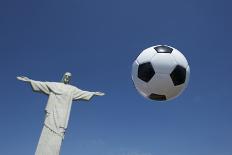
column 99, row 93
column 23, row 78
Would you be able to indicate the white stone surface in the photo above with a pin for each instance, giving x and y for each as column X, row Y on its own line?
column 60, row 97
column 49, row 143
column 59, row 102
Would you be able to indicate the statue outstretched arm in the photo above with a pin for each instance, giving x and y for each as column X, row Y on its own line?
column 85, row 95
column 99, row 94
column 23, row 78
column 37, row 86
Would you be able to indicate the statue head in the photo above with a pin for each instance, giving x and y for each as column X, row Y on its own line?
column 66, row 78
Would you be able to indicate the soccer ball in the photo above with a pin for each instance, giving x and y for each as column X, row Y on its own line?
column 160, row 73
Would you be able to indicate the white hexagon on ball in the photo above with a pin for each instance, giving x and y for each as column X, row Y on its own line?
column 160, row 73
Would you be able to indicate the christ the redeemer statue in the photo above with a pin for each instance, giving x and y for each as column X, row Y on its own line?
column 60, row 97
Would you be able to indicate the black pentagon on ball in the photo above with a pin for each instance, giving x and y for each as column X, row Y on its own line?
column 178, row 75
column 146, row 71
column 157, row 97
column 163, row 49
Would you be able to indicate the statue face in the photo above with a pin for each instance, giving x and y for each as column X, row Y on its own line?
column 66, row 78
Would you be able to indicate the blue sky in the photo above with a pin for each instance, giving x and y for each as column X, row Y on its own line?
column 98, row 41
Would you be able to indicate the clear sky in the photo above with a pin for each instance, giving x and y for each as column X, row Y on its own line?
column 98, row 41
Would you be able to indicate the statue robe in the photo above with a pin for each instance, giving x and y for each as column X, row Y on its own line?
column 60, row 97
